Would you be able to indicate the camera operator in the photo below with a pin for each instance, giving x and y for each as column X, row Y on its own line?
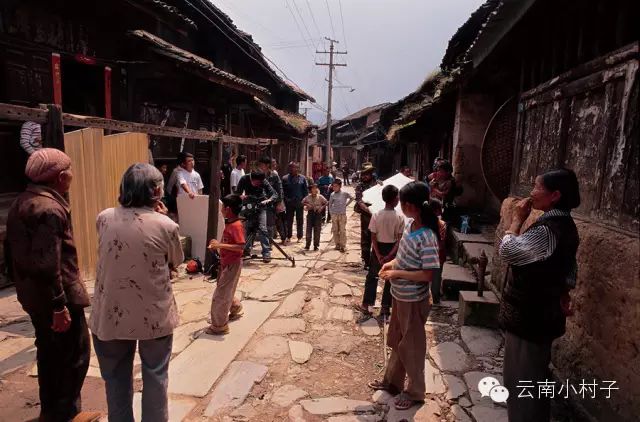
column 257, row 193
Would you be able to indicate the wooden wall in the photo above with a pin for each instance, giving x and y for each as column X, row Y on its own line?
column 98, row 163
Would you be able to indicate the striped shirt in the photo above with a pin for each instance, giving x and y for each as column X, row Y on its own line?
column 418, row 250
column 31, row 137
column 534, row 245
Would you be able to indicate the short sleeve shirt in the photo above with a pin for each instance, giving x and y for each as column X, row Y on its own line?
column 192, row 179
column 418, row 250
column 388, row 226
column 236, row 175
column 233, row 235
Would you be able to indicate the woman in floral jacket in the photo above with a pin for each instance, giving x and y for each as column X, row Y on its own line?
column 133, row 301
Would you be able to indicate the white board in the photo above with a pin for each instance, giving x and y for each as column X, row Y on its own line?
column 373, row 195
column 192, row 216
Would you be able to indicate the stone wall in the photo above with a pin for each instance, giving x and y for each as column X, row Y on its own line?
column 602, row 341
column 473, row 114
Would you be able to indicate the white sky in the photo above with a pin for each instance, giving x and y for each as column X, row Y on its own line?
column 392, row 44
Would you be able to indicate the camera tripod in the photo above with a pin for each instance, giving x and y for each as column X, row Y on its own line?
column 272, row 242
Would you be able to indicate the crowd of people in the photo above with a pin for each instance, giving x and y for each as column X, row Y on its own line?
column 133, row 306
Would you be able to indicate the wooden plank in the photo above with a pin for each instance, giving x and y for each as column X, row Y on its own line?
column 20, row 113
column 214, row 198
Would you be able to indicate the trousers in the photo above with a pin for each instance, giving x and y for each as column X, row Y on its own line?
column 295, row 211
column 63, row 361
column 365, row 238
column 224, row 300
column 314, row 227
column 526, row 361
column 116, row 366
column 256, row 225
column 339, row 229
column 408, row 342
column 371, row 283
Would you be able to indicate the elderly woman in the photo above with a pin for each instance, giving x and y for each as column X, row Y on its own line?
column 133, row 302
column 536, row 301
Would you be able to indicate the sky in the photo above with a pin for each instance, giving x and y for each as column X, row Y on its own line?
column 391, row 45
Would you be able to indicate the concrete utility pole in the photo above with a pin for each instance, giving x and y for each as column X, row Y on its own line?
column 332, row 66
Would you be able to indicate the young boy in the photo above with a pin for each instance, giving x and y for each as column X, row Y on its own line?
column 315, row 204
column 386, row 228
column 437, row 287
column 224, row 305
column 338, row 203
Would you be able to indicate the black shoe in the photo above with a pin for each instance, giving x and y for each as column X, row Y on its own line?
column 266, row 259
column 315, row 248
column 306, row 248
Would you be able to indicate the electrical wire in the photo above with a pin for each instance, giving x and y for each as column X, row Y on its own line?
column 288, row 7
column 270, row 71
column 333, row 30
column 304, row 23
column 313, row 18
column 344, row 34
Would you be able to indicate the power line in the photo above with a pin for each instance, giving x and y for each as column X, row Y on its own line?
column 331, row 66
column 313, row 18
column 333, row 30
column 269, row 71
column 344, row 34
column 297, row 25
column 303, row 21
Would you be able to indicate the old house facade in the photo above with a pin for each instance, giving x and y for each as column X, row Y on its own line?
column 529, row 86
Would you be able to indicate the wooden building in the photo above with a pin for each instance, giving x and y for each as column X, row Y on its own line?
column 170, row 63
column 534, row 85
column 355, row 139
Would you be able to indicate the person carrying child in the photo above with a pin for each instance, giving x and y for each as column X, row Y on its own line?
column 338, row 203
column 386, row 228
column 225, row 306
column 315, row 205
column 410, row 274
column 437, row 287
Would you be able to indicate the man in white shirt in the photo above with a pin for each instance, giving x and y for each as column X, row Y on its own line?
column 238, row 172
column 185, row 178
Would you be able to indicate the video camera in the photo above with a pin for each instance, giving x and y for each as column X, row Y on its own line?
column 252, row 205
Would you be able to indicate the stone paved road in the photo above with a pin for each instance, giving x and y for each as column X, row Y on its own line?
column 297, row 354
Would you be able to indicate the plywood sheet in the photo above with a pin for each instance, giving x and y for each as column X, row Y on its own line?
column 98, row 163
column 192, row 215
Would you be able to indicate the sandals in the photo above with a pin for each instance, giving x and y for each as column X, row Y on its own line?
column 377, row 385
column 403, row 402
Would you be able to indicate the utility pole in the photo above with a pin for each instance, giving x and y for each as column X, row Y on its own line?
column 332, row 66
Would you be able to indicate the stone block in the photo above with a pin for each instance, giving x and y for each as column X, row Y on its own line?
column 478, row 310
column 457, row 278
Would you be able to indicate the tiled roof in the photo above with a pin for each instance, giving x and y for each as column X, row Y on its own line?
column 218, row 75
column 293, row 121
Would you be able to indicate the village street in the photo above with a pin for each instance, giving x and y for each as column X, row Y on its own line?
column 297, row 354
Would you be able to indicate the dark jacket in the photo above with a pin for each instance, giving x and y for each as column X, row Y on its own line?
column 41, row 254
column 295, row 189
column 531, row 303
column 261, row 193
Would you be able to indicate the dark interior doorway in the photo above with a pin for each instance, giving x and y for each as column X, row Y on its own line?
column 82, row 88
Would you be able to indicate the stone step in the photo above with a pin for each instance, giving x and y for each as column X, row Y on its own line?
column 187, row 373
column 235, row 386
column 283, row 280
column 457, row 278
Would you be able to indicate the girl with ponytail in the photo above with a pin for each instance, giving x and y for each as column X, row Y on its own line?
column 410, row 274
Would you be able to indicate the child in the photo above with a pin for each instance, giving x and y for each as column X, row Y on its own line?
column 224, row 305
column 410, row 273
column 315, row 204
column 437, row 287
column 441, row 181
column 338, row 203
column 386, row 228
